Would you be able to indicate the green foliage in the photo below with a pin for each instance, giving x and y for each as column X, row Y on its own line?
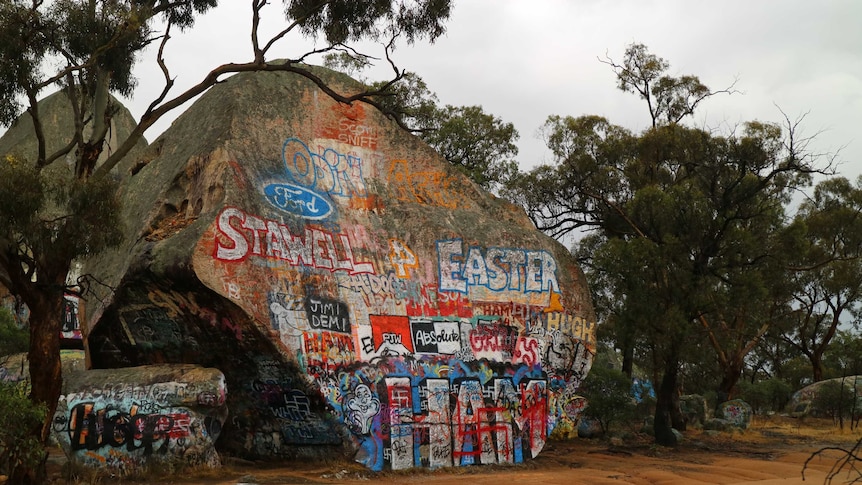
column 844, row 355
column 826, row 236
column 410, row 100
column 687, row 240
column 349, row 64
column 13, row 339
column 20, row 213
column 83, row 214
column 341, row 21
column 835, row 400
column 767, row 395
column 608, row 393
column 20, row 421
column 479, row 144
column 105, row 36
column 669, row 99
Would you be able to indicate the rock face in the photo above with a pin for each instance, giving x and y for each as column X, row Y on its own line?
column 124, row 418
column 737, row 412
column 358, row 292
column 802, row 401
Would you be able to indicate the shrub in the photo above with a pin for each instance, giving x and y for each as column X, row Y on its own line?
column 768, row 395
column 608, row 396
column 835, row 400
column 21, row 451
column 13, row 339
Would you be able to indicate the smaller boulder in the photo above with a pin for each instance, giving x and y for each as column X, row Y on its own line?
column 737, row 412
column 694, row 409
column 130, row 417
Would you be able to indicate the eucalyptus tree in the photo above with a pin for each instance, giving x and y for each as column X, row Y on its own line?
column 828, row 270
column 87, row 49
column 684, row 226
column 479, row 144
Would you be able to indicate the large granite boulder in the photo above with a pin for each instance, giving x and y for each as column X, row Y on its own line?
column 802, row 401
column 141, row 416
column 58, row 124
column 359, row 293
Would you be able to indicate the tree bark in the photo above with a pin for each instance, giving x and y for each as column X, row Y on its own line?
column 730, row 377
column 46, row 377
column 667, row 405
column 816, row 359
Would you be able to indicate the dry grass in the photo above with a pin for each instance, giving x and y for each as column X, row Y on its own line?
column 767, row 437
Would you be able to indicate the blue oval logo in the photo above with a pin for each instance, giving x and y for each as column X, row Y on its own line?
column 296, row 199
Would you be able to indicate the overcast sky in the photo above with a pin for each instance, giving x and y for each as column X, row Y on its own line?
column 523, row 60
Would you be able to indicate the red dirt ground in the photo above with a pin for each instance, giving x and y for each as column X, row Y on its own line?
column 772, row 451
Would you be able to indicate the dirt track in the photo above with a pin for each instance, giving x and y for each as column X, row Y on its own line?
column 771, row 452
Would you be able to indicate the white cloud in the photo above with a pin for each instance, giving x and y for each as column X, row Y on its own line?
column 524, row 60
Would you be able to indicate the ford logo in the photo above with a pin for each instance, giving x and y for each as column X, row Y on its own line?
column 299, row 200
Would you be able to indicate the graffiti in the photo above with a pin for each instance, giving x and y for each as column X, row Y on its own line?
column 282, row 400
column 356, row 134
column 475, row 361
column 294, row 199
column 326, row 171
column 362, row 406
column 233, row 290
column 429, row 187
column 176, row 304
column 554, row 323
column 496, row 342
column 497, row 269
column 71, row 328
column 642, row 389
column 436, row 336
column 158, row 392
column 271, row 240
column 286, row 313
column 456, row 421
column 91, row 429
column 151, row 327
column 432, row 301
column 526, row 351
column 510, row 313
column 390, row 338
column 326, row 352
column 328, row 315
column 380, row 288
column 402, row 257
column 280, row 414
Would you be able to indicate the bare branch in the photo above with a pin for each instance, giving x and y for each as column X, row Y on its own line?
column 260, row 53
column 160, row 59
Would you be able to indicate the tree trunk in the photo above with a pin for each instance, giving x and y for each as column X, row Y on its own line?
column 816, row 366
column 730, row 377
column 667, row 405
column 628, row 358
column 46, row 378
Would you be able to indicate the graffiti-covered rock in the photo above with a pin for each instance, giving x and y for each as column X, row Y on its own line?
column 127, row 418
column 828, row 395
column 694, row 410
column 360, row 294
column 737, row 412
